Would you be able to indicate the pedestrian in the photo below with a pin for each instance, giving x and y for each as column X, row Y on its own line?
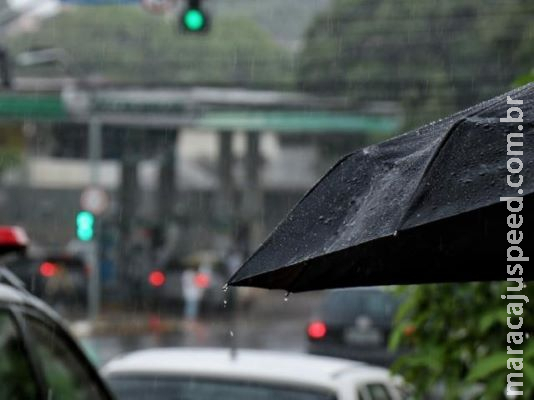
column 192, row 294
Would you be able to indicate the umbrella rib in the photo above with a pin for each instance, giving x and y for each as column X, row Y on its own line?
column 265, row 242
column 404, row 216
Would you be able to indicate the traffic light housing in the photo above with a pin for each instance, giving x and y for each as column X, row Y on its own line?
column 85, row 225
column 194, row 18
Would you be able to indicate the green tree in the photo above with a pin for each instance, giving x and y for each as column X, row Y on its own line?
column 127, row 44
column 434, row 57
column 458, row 337
column 11, row 146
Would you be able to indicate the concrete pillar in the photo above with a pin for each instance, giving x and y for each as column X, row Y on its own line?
column 95, row 158
column 252, row 195
column 225, row 198
column 167, row 188
column 127, row 200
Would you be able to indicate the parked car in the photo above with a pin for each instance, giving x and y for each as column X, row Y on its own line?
column 164, row 286
column 57, row 279
column 354, row 324
column 38, row 357
column 203, row 374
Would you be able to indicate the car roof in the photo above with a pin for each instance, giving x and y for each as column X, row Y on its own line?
column 10, row 294
column 257, row 365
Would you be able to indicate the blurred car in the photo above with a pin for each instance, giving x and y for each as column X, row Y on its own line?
column 354, row 324
column 38, row 358
column 164, row 286
column 202, row 374
column 13, row 239
column 57, row 279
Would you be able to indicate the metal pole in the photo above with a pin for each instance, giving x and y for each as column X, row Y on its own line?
column 252, row 196
column 95, row 155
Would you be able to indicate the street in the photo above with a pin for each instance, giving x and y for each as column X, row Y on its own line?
column 116, row 334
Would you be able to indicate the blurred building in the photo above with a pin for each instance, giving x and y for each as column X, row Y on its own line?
column 209, row 162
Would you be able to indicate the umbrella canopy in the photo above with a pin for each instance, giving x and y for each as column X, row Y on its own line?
column 423, row 207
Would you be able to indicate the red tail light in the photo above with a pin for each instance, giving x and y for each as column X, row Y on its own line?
column 156, row 278
column 317, row 330
column 48, row 269
column 202, row 280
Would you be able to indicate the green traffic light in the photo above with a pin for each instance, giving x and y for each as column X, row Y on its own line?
column 194, row 20
column 85, row 225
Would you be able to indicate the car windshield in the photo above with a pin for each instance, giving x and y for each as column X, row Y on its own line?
column 194, row 388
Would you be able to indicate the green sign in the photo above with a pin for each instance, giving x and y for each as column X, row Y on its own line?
column 318, row 122
column 31, row 106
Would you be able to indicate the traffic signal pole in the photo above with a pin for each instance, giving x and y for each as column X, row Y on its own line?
column 95, row 156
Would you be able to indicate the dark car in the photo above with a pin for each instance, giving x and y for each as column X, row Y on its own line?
column 355, row 324
column 57, row 279
column 164, row 287
column 38, row 358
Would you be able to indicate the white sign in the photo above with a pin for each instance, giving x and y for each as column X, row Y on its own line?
column 157, row 6
column 95, row 200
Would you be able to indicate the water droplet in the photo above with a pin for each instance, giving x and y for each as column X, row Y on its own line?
column 395, row 233
column 232, row 333
column 225, row 288
column 225, row 303
column 286, row 297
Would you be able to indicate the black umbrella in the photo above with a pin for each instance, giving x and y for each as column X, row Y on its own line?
column 422, row 207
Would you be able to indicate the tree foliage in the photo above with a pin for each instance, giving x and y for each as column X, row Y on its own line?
column 11, row 146
column 458, row 337
column 126, row 44
column 433, row 56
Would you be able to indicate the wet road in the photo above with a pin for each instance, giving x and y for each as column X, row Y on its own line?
column 271, row 323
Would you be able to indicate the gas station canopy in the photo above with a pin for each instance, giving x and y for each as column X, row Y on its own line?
column 198, row 107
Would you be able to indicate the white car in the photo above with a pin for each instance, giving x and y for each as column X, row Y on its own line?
column 205, row 374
